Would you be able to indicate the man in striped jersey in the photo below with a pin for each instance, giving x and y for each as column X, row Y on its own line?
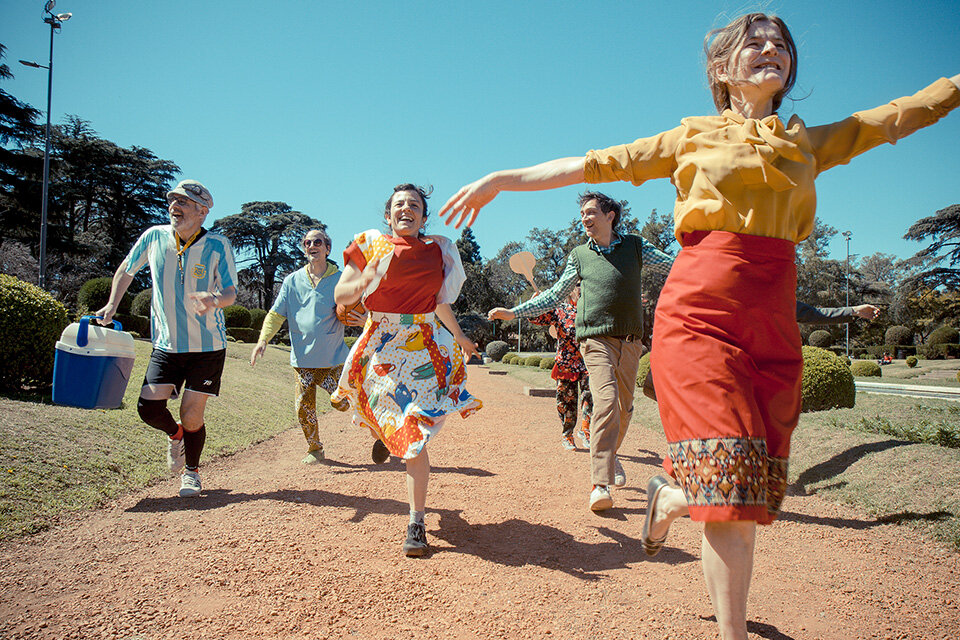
column 194, row 277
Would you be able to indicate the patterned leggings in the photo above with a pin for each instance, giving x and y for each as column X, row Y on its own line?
column 567, row 403
column 306, row 400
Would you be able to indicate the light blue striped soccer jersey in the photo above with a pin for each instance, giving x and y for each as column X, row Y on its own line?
column 206, row 266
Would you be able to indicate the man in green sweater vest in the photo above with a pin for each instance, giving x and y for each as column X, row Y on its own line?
column 609, row 324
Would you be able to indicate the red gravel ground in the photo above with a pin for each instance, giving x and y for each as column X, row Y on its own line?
column 275, row 549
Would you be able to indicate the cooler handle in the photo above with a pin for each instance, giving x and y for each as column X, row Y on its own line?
column 84, row 325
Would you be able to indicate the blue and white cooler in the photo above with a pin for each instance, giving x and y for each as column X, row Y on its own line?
column 92, row 365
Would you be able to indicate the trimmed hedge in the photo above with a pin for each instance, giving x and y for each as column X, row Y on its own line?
column 643, row 369
column 943, row 335
column 827, row 382
column 532, row 361
column 256, row 318
column 912, row 361
column 237, row 316
column 896, row 351
column 547, row 363
column 243, row 334
column 866, row 369
column 497, row 349
column 141, row 303
column 31, row 322
column 95, row 293
column 898, row 335
column 820, row 338
column 136, row 324
column 939, row 351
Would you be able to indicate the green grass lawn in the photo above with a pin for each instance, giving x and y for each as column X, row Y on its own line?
column 849, row 455
column 56, row 459
column 932, row 373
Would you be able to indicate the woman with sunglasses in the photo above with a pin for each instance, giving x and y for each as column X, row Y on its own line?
column 407, row 372
column 317, row 350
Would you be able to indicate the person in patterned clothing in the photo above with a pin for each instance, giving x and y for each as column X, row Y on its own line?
column 406, row 373
column 317, row 350
column 573, row 382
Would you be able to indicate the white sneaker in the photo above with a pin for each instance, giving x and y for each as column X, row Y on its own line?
column 176, row 457
column 190, row 484
column 600, row 499
column 619, row 476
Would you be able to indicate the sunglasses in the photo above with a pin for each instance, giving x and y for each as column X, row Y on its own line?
column 318, row 242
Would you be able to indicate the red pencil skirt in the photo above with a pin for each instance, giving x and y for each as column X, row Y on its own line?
column 727, row 363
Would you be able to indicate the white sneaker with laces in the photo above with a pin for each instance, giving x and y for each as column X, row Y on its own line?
column 619, row 475
column 600, row 499
column 176, row 458
column 190, row 484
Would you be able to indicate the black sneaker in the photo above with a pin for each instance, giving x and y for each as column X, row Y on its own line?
column 380, row 453
column 416, row 542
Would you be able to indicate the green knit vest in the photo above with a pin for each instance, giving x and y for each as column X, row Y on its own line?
column 610, row 291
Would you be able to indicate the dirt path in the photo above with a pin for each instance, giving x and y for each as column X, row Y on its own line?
column 274, row 549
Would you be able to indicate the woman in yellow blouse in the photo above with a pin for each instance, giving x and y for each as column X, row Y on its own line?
column 726, row 345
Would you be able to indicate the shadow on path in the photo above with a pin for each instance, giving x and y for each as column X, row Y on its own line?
column 848, row 523
column 517, row 543
column 842, row 461
column 396, row 464
column 762, row 629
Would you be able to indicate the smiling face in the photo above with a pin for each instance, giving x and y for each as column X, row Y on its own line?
column 405, row 216
column 761, row 64
column 597, row 224
column 186, row 216
column 315, row 248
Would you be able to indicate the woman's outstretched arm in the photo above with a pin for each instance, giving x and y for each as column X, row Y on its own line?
column 467, row 202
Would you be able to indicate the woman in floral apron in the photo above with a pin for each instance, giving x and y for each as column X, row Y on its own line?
column 406, row 373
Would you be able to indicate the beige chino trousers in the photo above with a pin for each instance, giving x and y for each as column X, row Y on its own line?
column 612, row 364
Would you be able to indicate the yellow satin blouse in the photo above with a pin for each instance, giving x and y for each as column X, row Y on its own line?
column 757, row 176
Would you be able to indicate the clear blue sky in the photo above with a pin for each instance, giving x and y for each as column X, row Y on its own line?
column 327, row 105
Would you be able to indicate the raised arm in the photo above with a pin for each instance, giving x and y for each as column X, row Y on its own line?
column 467, row 202
column 354, row 282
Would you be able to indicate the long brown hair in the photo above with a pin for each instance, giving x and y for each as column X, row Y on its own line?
column 720, row 45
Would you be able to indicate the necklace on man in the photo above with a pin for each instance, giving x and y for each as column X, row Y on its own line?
column 181, row 251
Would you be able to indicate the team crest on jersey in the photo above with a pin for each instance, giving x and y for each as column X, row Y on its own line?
column 199, row 271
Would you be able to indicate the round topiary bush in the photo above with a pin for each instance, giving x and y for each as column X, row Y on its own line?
column 898, row 335
column 827, row 382
column 95, row 293
column 236, row 316
column 31, row 322
column 141, row 302
column 912, row 361
column 643, row 369
column 547, row 363
column 532, row 361
column 944, row 335
column 256, row 318
column 497, row 349
column 866, row 369
column 820, row 338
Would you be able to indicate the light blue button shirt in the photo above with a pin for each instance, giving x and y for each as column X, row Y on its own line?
column 316, row 336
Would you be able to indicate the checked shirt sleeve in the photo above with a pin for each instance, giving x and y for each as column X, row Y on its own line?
column 654, row 258
column 552, row 297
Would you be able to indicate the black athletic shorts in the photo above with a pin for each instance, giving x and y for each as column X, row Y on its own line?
column 200, row 371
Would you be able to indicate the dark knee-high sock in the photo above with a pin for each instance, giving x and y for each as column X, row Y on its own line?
column 193, row 446
column 156, row 414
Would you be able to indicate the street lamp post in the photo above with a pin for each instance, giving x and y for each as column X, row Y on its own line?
column 55, row 21
column 846, row 235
